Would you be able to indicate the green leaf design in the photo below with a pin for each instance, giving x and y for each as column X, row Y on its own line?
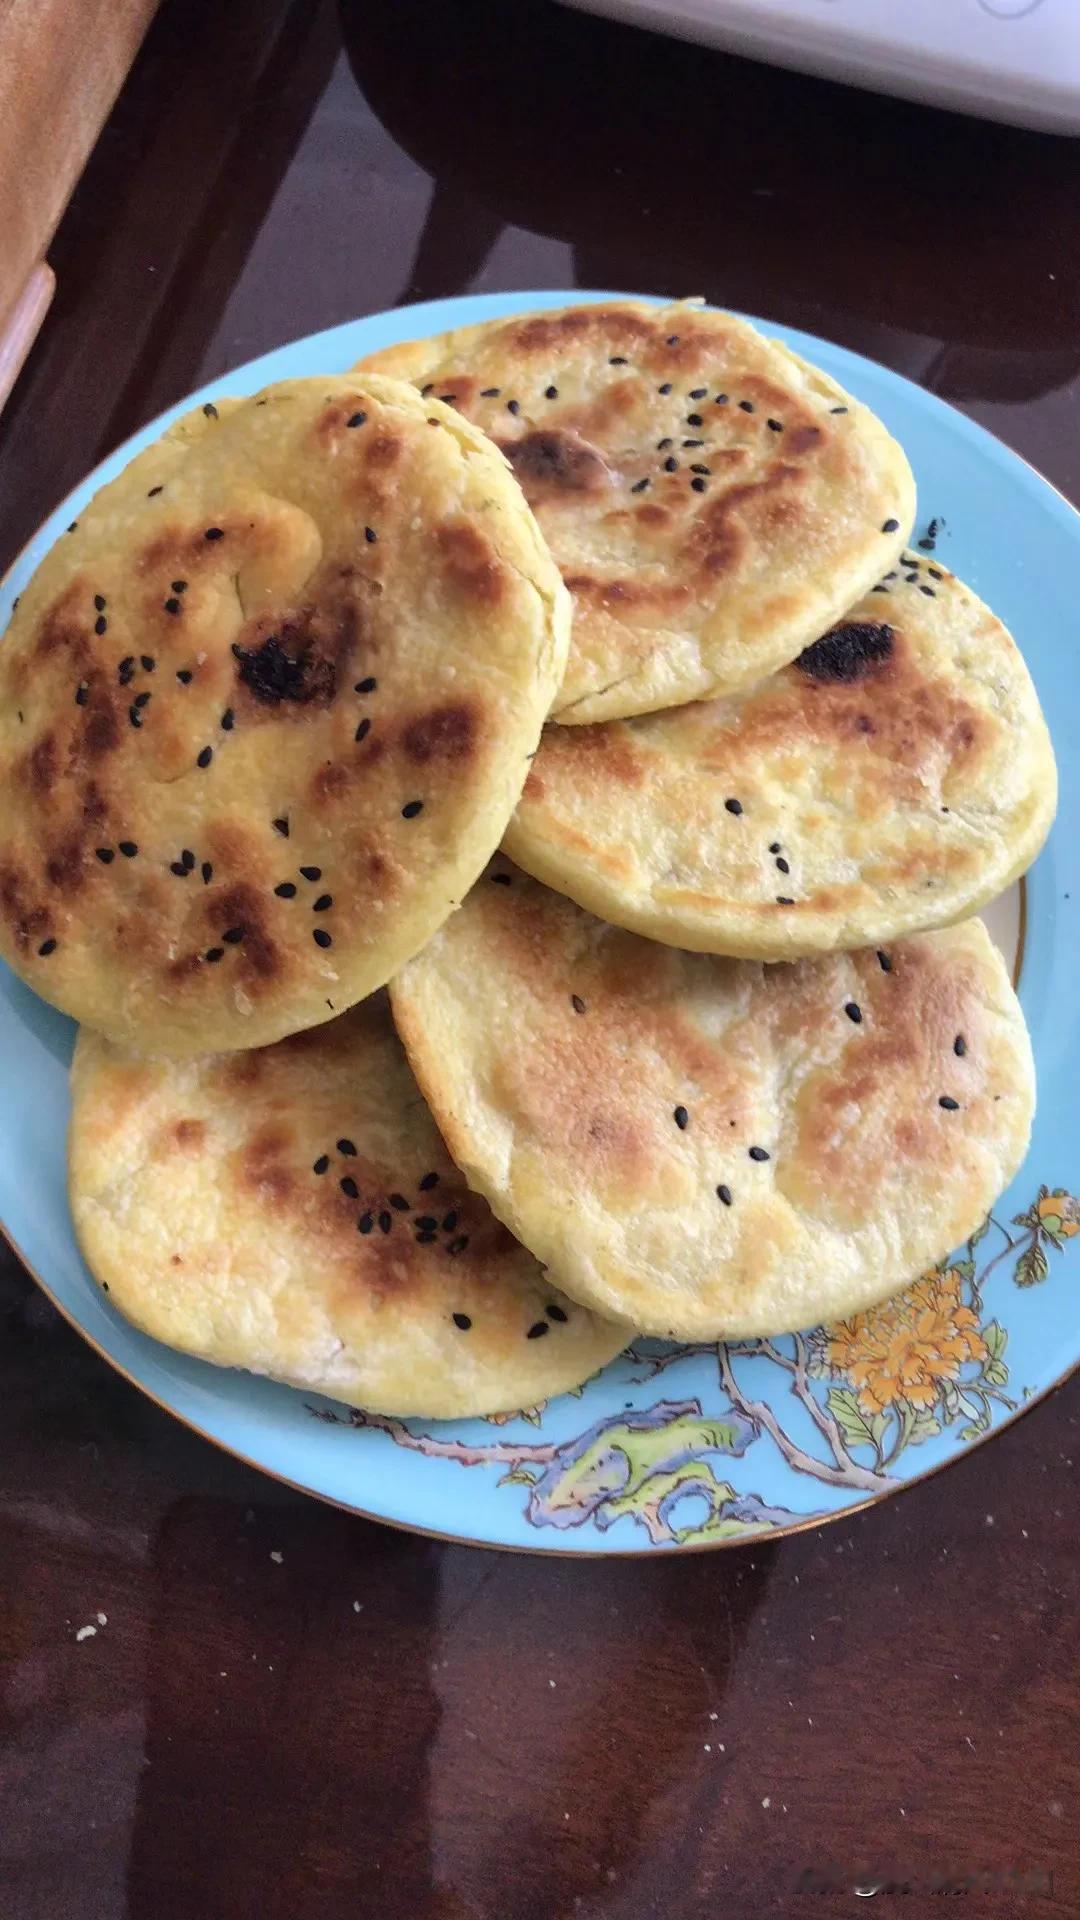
column 995, row 1373
column 520, row 1476
column 973, row 1432
column 996, row 1339
column 950, row 1400
column 965, row 1268
column 1028, row 1219
column 1031, row 1267
column 532, row 1416
column 980, row 1233
column 878, row 1426
column 924, row 1427
column 844, row 1408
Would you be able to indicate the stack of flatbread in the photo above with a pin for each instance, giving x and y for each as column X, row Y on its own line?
column 574, row 678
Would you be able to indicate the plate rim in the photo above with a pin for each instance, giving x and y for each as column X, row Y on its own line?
column 502, row 303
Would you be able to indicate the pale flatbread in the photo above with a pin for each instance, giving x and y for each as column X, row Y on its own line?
column 292, row 1210
column 707, row 1146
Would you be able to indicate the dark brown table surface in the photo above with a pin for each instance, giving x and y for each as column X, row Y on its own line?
column 493, row 1737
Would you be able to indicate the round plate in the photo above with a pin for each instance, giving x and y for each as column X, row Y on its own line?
column 676, row 1447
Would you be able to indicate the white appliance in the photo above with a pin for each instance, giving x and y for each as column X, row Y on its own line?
column 1015, row 60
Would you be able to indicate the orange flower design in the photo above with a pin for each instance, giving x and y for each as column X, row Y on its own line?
column 1060, row 1213
column 905, row 1349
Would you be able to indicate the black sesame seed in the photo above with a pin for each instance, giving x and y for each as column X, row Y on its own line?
column 699, row 485
column 557, row 1313
column 429, row 388
column 929, row 592
column 694, row 420
column 172, row 605
column 959, row 1046
column 356, row 420
column 105, row 855
column 681, row 1119
column 426, row 1222
column 698, row 393
column 129, row 848
column 228, row 720
column 179, row 586
column 927, row 545
column 672, row 340
column 399, row 1201
column 935, row 573
column 854, row 1012
column 450, row 1221
column 721, row 400
column 286, row 891
column 758, row 1153
column 184, row 676
column 837, row 409
column 385, row 1222
column 577, row 1003
column 879, row 589
column 501, row 880
column 513, row 406
column 213, row 954
column 210, row 410
column 362, row 731
column 282, row 827
column 884, row 962
column 733, row 806
column 82, row 694
column 782, row 865
column 99, row 602
column 489, row 393
column 775, row 426
column 47, row 947
column 349, row 1187
column 784, row 900
column 214, row 533
column 950, row 1105
column 233, row 936
column 698, row 466
column 618, row 360
column 724, row 1193
column 411, row 808
column 671, row 465
column 693, row 443
column 324, row 901
column 426, row 1239
column 101, row 625
column 639, row 486
column 178, row 867
column 365, row 1223
column 774, row 846
column 135, row 717
column 207, row 873
column 666, row 388
column 205, row 757
column 126, row 667
column 459, row 1245
column 550, row 393
column 348, row 1148
column 429, row 1180
column 142, row 700
column 367, row 685
column 151, row 491
column 747, row 406
column 73, row 526
column 321, row 1163
column 322, row 938
column 890, row 526
column 370, row 536
column 462, row 1320
column 537, row 1330
column 310, row 873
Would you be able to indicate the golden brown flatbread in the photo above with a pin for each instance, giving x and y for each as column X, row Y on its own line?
column 714, row 502
column 897, row 776
column 266, row 712
column 292, row 1210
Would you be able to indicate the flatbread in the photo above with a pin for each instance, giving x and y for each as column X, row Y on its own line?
column 265, row 714
column 219, row 1200
column 708, row 1146
column 896, row 777
column 714, row 502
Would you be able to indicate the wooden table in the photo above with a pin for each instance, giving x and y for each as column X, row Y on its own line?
column 375, row 1724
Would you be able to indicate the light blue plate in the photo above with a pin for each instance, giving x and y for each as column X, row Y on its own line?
column 677, row 1447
